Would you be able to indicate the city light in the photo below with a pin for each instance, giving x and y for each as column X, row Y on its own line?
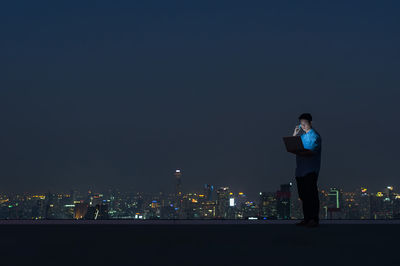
column 232, row 202
column 279, row 204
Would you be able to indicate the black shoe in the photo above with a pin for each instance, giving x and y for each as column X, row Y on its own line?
column 312, row 223
column 301, row 223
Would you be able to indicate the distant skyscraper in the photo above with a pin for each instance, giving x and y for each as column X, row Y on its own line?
column 232, row 209
column 178, row 182
column 268, row 205
column 208, row 210
column 364, row 201
column 222, row 202
column 179, row 194
column 51, row 202
column 334, row 206
column 241, row 200
column 250, row 210
column 378, row 204
column 283, row 201
column 350, row 205
column 208, row 192
column 382, row 204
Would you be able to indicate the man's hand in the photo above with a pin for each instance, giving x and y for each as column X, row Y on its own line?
column 296, row 130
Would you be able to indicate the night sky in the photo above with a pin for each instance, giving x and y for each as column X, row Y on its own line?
column 121, row 93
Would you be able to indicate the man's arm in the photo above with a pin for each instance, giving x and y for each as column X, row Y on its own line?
column 311, row 147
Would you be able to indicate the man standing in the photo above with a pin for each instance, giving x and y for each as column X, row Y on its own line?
column 307, row 170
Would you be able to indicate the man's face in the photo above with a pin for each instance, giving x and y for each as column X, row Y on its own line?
column 305, row 124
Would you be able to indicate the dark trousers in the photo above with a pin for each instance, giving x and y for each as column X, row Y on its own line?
column 309, row 196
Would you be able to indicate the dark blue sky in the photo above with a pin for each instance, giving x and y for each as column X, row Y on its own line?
column 121, row 93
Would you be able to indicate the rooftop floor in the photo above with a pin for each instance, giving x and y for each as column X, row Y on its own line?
column 199, row 242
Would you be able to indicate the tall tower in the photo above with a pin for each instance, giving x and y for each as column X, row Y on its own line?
column 365, row 204
column 222, row 207
column 334, row 203
column 283, row 201
column 178, row 182
column 208, row 191
column 179, row 206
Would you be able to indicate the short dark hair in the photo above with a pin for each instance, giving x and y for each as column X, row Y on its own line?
column 306, row 116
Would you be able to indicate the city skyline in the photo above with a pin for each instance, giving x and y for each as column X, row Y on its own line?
column 207, row 203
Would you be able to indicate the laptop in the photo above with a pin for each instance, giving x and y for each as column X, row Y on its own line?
column 294, row 144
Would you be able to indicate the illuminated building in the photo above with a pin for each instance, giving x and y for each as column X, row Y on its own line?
column 382, row 204
column 222, row 207
column 208, row 210
column 208, row 192
column 268, row 205
column 283, row 201
column 178, row 193
column 351, row 206
column 80, row 210
column 178, row 182
column 98, row 212
column 364, row 203
column 333, row 207
column 250, row 210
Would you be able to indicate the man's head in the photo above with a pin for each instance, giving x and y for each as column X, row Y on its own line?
column 305, row 121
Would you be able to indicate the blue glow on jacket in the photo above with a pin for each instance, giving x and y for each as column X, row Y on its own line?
column 307, row 164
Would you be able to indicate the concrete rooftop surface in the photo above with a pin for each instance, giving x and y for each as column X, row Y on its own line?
column 198, row 242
